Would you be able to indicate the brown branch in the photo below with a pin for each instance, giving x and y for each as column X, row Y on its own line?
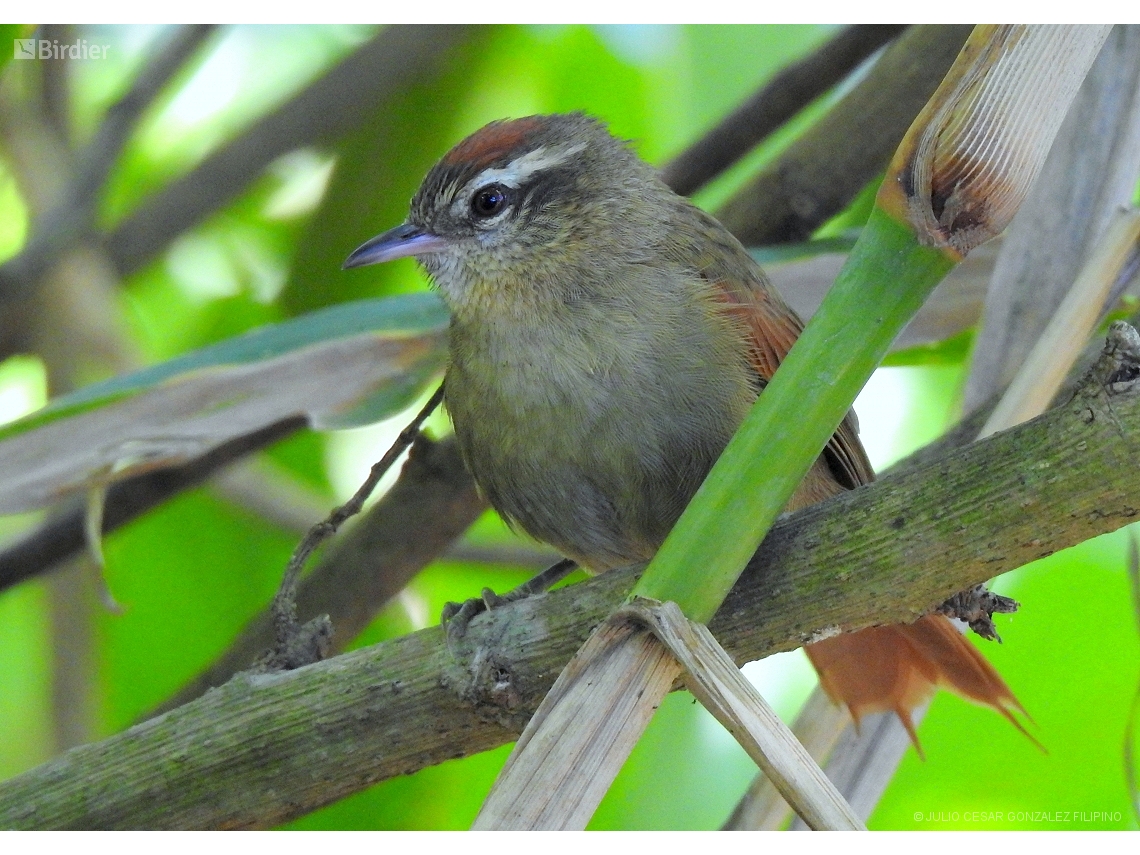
column 262, row 749
column 792, row 89
column 825, row 168
column 433, row 502
column 534, row 558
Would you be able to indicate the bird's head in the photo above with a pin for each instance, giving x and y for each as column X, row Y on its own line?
column 531, row 202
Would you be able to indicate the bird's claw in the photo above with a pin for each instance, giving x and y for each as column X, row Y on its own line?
column 457, row 616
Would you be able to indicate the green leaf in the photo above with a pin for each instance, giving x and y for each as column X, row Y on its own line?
column 342, row 366
column 950, row 351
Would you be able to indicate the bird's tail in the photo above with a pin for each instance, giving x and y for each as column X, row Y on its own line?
column 897, row 668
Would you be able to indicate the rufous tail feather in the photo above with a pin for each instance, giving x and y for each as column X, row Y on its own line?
column 897, row 668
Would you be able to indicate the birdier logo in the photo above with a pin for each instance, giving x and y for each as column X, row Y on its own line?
column 54, row 49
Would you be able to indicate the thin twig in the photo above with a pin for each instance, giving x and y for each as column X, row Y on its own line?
column 286, row 627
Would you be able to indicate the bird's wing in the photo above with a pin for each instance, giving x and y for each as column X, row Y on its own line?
column 772, row 329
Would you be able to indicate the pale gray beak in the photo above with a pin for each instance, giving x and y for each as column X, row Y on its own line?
column 399, row 242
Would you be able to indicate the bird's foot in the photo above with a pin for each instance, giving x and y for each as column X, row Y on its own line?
column 457, row 616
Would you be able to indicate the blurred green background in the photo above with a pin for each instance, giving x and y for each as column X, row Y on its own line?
column 192, row 572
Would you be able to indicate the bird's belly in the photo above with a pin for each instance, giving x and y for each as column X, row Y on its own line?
column 570, row 462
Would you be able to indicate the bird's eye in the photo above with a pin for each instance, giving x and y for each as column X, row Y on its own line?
column 489, row 201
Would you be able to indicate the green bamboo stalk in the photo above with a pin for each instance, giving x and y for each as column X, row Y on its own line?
column 885, row 281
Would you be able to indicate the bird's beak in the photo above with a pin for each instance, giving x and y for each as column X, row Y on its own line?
column 399, row 242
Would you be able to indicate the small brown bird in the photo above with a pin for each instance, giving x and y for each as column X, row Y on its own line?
column 607, row 338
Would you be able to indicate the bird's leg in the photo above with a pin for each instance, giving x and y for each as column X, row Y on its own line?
column 456, row 616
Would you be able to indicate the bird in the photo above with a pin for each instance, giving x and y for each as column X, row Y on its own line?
column 607, row 338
